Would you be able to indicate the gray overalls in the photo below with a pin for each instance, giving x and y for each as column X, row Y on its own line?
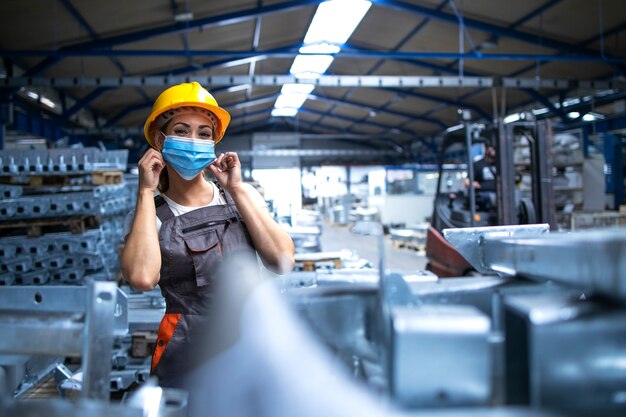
column 192, row 246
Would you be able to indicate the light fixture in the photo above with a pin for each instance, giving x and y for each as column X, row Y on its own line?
column 573, row 115
column 48, row 102
column 183, row 17
column 489, row 43
column 284, row 112
column 332, row 25
column 512, row 118
column 335, row 20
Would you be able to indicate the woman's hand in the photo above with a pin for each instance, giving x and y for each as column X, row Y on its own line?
column 227, row 171
column 150, row 166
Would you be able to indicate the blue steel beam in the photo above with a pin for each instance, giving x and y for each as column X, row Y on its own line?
column 454, row 103
column 84, row 102
column 350, row 119
column 183, row 36
column 544, row 100
column 81, row 21
column 96, row 93
column 482, row 26
column 312, row 126
column 367, row 107
column 179, row 27
column 523, row 20
column 346, row 52
column 139, row 106
column 534, row 13
column 617, row 29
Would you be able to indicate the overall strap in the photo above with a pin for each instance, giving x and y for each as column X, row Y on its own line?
column 230, row 203
column 163, row 211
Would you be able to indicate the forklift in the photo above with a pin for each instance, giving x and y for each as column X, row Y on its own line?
column 468, row 208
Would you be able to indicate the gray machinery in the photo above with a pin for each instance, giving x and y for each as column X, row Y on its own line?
column 544, row 327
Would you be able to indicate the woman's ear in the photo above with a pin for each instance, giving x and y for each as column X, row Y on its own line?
column 158, row 139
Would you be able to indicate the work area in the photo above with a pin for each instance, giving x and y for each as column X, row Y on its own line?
column 313, row 208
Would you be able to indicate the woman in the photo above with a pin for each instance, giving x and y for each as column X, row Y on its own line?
column 178, row 238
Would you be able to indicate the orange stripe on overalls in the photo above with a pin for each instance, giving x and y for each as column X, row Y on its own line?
column 164, row 334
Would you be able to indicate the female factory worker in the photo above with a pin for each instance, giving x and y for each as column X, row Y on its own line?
column 177, row 238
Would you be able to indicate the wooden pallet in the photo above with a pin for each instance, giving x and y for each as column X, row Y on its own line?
column 37, row 227
column 399, row 244
column 107, row 177
column 45, row 389
column 312, row 265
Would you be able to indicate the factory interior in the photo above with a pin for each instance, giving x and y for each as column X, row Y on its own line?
column 451, row 174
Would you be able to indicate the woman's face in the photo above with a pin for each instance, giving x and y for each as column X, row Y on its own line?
column 189, row 125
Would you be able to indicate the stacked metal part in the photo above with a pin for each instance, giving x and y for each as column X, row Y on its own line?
column 62, row 258
column 57, row 256
column 61, row 160
column 105, row 200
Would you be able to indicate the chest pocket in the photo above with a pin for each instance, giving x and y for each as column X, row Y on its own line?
column 206, row 253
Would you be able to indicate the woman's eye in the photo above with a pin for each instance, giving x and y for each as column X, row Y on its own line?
column 180, row 132
column 206, row 134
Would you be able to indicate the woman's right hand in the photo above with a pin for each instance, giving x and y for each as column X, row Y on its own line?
column 150, row 166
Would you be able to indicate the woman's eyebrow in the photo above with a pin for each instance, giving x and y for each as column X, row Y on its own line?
column 203, row 126
column 181, row 123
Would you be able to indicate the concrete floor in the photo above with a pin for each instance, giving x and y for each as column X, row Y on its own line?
column 336, row 238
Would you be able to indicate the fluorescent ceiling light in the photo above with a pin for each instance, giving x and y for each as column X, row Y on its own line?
column 310, row 66
column 573, row 115
column 321, row 48
column 454, row 128
column 48, row 102
column 512, row 118
column 294, row 100
column 297, row 88
column 183, row 17
column 335, row 21
column 543, row 110
column 571, row 101
column 589, row 117
column 32, row 95
column 332, row 25
column 284, row 112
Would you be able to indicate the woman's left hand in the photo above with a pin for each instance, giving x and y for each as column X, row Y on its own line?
column 227, row 171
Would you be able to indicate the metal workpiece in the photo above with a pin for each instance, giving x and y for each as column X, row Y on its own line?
column 7, row 278
column 342, row 321
column 149, row 400
column 51, row 260
column 37, row 277
column 71, row 204
column 59, row 300
column 594, row 260
column 66, row 256
column 567, row 354
column 440, row 356
column 10, row 191
column 470, row 241
column 57, row 161
column 329, row 280
column 22, row 263
column 67, row 275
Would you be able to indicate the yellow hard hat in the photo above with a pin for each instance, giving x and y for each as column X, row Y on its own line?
column 186, row 95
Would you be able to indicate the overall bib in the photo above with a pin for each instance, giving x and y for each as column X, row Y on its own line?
column 192, row 246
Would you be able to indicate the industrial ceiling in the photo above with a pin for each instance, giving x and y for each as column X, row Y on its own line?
column 397, row 82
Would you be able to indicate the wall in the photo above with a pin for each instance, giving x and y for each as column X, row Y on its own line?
column 404, row 208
